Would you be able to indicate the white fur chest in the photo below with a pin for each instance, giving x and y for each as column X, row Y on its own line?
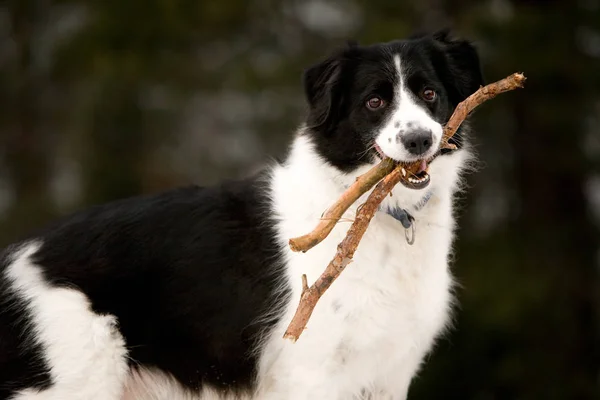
column 370, row 330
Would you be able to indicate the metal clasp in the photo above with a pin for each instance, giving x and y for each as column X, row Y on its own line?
column 410, row 239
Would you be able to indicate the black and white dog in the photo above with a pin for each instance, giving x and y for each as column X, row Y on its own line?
column 187, row 294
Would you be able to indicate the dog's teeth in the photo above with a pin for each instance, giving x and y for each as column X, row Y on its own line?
column 403, row 172
column 417, row 180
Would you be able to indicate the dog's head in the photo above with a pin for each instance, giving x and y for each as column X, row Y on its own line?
column 389, row 99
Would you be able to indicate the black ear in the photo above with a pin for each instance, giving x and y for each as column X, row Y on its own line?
column 322, row 88
column 463, row 69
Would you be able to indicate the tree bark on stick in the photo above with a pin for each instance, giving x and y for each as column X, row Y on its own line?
column 362, row 184
column 343, row 257
column 346, row 249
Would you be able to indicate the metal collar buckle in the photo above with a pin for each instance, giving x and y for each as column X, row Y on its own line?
column 407, row 221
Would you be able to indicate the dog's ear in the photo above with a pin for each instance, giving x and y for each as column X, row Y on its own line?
column 463, row 74
column 322, row 87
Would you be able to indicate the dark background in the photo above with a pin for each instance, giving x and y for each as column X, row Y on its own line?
column 103, row 99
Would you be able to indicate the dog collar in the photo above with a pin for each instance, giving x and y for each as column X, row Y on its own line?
column 406, row 219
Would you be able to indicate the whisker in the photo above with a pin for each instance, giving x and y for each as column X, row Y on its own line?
column 364, row 153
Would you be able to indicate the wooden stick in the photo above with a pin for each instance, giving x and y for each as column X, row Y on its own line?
column 366, row 181
column 483, row 94
column 343, row 257
column 346, row 249
column 362, row 184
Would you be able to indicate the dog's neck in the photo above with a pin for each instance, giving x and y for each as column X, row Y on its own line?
column 314, row 173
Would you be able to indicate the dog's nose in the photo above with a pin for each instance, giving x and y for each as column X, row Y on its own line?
column 418, row 141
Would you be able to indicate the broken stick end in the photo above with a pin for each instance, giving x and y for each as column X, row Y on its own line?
column 304, row 284
column 519, row 78
column 294, row 245
column 290, row 337
column 303, row 243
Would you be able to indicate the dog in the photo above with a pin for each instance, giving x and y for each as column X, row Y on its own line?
column 186, row 294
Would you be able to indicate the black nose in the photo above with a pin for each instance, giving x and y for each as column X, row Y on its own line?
column 418, row 141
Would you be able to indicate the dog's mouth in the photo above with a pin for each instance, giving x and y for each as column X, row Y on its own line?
column 417, row 180
column 421, row 178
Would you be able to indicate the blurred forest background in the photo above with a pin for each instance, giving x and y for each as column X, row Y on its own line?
column 102, row 99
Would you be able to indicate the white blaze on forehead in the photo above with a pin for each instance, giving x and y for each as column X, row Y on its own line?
column 407, row 115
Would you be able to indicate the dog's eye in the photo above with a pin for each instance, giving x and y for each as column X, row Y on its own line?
column 374, row 103
column 428, row 94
